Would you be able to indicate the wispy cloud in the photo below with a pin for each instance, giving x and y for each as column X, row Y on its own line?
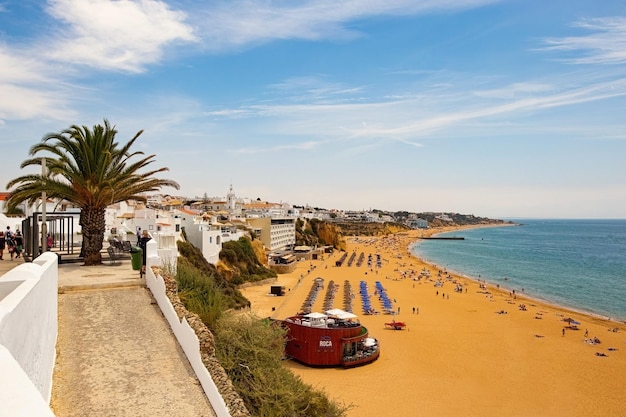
column 412, row 119
column 114, row 35
column 515, row 90
column 316, row 89
column 300, row 146
column 240, row 23
column 425, row 123
column 606, row 44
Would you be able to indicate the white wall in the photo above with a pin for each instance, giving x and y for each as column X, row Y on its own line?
column 14, row 222
column 185, row 335
column 207, row 238
column 28, row 334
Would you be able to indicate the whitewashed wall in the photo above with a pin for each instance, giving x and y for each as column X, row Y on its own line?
column 184, row 333
column 28, row 334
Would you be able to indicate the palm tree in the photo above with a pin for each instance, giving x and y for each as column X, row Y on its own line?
column 90, row 169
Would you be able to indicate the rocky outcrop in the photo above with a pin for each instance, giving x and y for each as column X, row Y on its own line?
column 232, row 399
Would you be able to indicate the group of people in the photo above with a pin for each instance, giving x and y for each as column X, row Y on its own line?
column 14, row 242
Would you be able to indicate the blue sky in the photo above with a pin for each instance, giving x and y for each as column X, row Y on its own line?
column 493, row 108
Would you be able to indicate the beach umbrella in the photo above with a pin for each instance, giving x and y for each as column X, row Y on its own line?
column 571, row 321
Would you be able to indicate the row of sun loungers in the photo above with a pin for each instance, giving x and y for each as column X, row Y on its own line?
column 351, row 260
column 384, row 299
column 348, row 296
column 316, row 287
column 365, row 299
column 341, row 260
column 329, row 300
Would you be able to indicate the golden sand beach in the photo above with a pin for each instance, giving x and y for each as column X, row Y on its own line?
column 473, row 352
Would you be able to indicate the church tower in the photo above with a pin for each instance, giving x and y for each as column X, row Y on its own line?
column 230, row 199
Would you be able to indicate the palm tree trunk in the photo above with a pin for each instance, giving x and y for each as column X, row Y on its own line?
column 92, row 224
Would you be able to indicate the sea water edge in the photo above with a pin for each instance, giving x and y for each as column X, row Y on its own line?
column 606, row 294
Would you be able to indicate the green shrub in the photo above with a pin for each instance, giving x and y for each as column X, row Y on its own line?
column 200, row 294
column 194, row 258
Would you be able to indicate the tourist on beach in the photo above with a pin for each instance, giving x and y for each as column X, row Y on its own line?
column 3, row 242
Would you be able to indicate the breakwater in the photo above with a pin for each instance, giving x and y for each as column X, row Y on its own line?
column 444, row 238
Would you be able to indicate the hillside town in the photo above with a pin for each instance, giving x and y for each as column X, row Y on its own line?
column 206, row 222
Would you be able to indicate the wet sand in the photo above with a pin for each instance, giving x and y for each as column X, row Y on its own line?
column 461, row 355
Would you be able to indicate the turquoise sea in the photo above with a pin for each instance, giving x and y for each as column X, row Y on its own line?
column 579, row 264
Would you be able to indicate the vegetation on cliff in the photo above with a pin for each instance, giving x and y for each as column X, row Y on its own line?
column 202, row 285
column 240, row 262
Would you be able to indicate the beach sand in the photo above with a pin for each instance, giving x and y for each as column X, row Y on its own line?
column 458, row 356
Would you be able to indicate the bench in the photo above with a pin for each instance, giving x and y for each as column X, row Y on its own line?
column 117, row 249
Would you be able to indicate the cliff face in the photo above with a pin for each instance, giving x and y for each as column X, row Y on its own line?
column 318, row 233
column 241, row 260
column 369, row 229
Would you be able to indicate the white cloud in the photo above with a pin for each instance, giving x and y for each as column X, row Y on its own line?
column 16, row 68
column 28, row 103
column 119, row 35
column 25, row 88
column 605, row 45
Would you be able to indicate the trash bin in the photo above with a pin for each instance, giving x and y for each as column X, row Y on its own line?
column 136, row 257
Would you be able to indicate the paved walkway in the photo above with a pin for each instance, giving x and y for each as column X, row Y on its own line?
column 116, row 355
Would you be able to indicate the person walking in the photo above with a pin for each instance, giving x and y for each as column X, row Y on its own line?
column 18, row 240
column 10, row 244
column 143, row 240
column 3, row 242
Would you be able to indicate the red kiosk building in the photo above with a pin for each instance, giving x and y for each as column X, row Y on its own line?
column 332, row 339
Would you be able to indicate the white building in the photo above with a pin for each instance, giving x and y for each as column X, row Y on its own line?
column 418, row 223
column 207, row 234
column 275, row 232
